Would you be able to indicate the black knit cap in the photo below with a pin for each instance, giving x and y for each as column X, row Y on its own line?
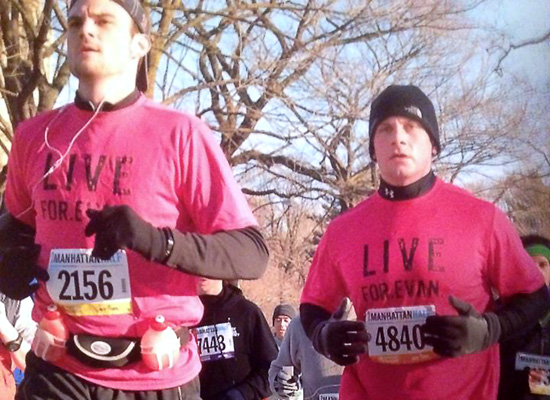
column 405, row 101
column 284, row 309
column 137, row 12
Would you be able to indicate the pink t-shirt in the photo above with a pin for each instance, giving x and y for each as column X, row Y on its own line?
column 418, row 252
column 164, row 164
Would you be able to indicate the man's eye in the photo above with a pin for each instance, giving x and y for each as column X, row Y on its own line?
column 74, row 23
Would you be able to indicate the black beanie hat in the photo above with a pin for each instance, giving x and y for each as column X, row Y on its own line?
column 284, row 309
column 406, row 101
column 139, row 16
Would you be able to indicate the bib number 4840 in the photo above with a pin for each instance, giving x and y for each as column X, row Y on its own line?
column 391, row 340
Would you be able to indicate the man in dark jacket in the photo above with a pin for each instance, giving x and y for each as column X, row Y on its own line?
column 528, row 384
column 235, row 344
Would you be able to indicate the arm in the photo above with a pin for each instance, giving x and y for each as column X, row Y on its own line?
column 283, row 383
column 237, row 254
column 512, row 272
column 234, row 254
column 14, row 233
column 470, row 332
column 521, row 312
column 18, row 258
column 335, row 337
column 9, row 333
column 311, row 316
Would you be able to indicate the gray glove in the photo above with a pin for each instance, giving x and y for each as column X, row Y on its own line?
column 466, row 333
column 286, row 384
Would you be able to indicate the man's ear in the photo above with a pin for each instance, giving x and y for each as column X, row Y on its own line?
column 141, row 44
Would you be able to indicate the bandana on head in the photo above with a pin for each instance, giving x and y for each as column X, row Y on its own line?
column 539, row 250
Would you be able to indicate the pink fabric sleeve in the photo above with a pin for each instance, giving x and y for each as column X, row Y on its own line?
column 511, row 269
column 210, row 191
column 18, row 195
column 325, row 286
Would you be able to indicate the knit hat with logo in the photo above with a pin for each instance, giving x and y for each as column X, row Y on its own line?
column 137, row 12
column 405, row 101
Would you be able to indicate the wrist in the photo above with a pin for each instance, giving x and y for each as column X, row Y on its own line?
column 15, row 344
column 494, row 329
column 8, row 333
column 169, row 241
column 317, row 338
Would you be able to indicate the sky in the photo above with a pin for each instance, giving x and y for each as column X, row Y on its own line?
column 522, row 20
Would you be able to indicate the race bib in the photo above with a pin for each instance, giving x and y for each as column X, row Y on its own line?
column 329, row 396
column 536, row 362
column 83, row 285
column 395, row 336
column 215, row 342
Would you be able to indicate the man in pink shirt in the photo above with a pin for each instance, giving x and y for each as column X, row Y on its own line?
column 114, row 204
column 420, row 260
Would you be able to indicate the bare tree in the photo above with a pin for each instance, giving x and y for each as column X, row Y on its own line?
column 543, row 38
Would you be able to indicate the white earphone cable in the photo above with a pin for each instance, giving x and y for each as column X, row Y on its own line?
column 61, row 155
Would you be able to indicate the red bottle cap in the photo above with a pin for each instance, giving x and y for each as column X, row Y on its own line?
column 158, row 324
column 52, row 312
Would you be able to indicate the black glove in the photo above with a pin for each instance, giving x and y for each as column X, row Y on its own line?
column 119, row 227
column 18, row 269
column 466, row 333
column 340, row 340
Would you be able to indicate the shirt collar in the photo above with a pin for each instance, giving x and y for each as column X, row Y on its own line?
column 416, row 189
column 82, row 104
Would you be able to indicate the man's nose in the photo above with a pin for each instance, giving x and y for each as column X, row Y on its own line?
column 88, row 27
column 399, row 133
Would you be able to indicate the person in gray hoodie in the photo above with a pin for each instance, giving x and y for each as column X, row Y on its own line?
column 300, row 372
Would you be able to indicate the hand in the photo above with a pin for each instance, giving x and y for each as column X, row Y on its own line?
column 7, row 330
column 539, row 377
column 340, row 340
column 285, row 384
column 466, row 333
column 119, row 227
column 18, row 269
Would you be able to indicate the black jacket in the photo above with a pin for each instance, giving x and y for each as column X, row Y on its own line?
column 514, row 385
column 254, row 345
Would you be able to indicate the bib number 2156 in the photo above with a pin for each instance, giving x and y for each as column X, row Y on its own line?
column 84, row 285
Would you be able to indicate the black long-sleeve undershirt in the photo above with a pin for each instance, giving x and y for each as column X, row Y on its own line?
column 518, row 314
column 228, row 255
column 312, row 315
column 235, row 254
column 521, row 312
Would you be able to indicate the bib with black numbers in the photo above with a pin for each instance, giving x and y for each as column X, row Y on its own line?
column 541, row 363
column 329, row 396
column 395, row 334
column 215, row 342
column 88, row 286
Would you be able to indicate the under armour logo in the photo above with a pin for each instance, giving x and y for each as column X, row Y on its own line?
column 389, row 193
